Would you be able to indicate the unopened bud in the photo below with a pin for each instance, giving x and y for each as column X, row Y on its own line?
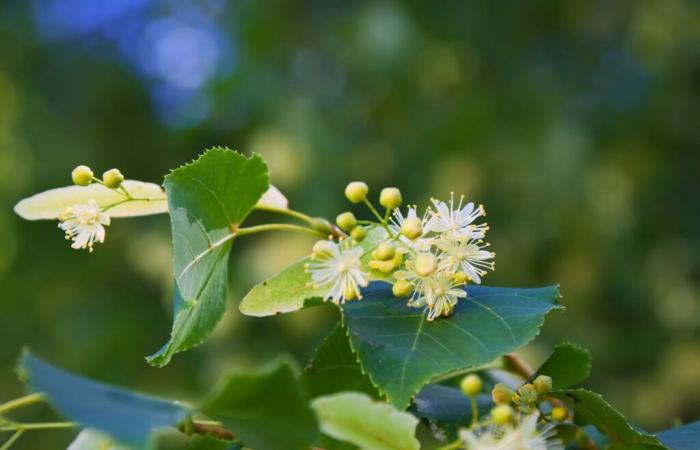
column 471, row 385
column 559, row 414
column 113, row 178
column 402, row 288
column 82, row 175
column 322, row 225
column 502, row 394
column 349, row 293
column 358, row 233
column 323, row 249
column 543, row 384
column 356, row 191
column 411, row 228
column 384, row 252
column 382, row 266
column 461, row 277
column 390, row 198
column 425, row 264
column 346, row 221
column 502, row 414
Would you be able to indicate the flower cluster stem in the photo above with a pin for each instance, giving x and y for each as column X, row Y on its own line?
column 21, row 402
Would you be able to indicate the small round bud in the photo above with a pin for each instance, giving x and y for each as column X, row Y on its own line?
column 411, row 228
column 543, row 384
column 322, row 225
column 425, row 264
column 384, row 252
column 502, row 394
column 82, row 175
column 559, row 414
column 402, row 288
column 322, row 249
column 390, row 198
column 382, row 266
column 461, row 277
column 358, row 233
column 356, row 191
column 346, row 221
column 471, row 385
column 502, row 414
column 113, row 178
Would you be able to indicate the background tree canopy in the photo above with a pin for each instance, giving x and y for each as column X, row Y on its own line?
column 575, row 123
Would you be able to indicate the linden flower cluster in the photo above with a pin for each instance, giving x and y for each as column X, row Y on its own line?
column 428, row 259
column 85, row 223
column 508, row 428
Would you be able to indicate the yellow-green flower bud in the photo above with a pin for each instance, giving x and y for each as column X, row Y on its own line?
column 322, row 250
column 82, row 175
column 543, row 384
column 411, row 228
column 321, row 224
column 113, row 178
column 384, row 252
column 349, row 293
column 471, row 385
column 461, row 277
column 559, row 414
column 402, row 288
column 425, row 264
column 502, row 414
column 358, row 233
column 356, row 191
column 502, row 394
column 390, row 198
column 382, row 266
column 346, row 221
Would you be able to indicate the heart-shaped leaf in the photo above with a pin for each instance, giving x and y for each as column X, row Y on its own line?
column 129, row 417
column 356, row 418
column 266, row 410
column 569, row 364
column 590, row 409
column 208, row 200
column 401, row 351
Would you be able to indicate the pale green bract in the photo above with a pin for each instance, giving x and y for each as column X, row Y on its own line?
column 48, row 205
column 371, row 425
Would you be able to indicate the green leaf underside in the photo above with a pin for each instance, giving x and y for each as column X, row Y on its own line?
column 686, row 437
column 208, row 199
column 356, row 418
column 448, row 405
column 590, row 409
column 50, row 204
column 127, row 416
column 569, row 364
column 335, row 368
column 289, row 289
column 266, row 410
column 401, row 351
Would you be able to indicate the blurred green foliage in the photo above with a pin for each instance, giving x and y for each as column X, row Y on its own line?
column 575, row 123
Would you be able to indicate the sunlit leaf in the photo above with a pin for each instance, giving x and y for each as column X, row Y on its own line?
column 590, row 409
column 208, row 200
column 129, row 417
column 356, row 418
column 569, row 364
column 401, row 351
column 273, row 199
column 49, row 204
column 266, row 410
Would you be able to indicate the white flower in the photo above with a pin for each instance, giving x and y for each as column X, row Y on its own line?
column 524, row 436
column 456, row 222
column 84, row 224
column 421, row 243
column 339, row 271
column 441, row 294
column 466, row 255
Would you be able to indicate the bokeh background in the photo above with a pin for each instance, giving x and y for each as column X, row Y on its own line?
column 575, row 123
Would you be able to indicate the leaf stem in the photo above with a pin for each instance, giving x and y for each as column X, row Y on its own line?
column 39, row 426
column 21, row 402
column 475, row 412
column 382, row 220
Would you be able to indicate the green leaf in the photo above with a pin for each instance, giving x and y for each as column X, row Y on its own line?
column 590, row 409
column 369, row 424
column 50, row 204
column 447, row 405
column 569, row 364
column 686, row 437
column 127, row 416
column 401, row 351
column 90, row 439
column 266, row 410
column 288, row 290
column 335, row 368
column 208, row 200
